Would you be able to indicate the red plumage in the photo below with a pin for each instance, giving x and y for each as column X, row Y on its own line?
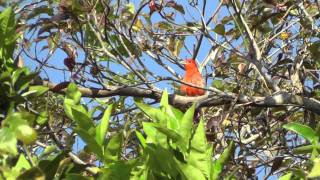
column 192, row 76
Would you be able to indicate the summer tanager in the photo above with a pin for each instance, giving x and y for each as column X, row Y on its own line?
column 192, row 76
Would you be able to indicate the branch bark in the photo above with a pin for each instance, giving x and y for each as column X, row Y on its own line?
column 209, row 99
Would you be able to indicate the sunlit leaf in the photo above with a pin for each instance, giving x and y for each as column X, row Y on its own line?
column 90, row 141
column 315, row 171
column 113, row 148
column 102, row 128
column 286, row 176
column 138, row 26
column 303, row 130
column 8, row 141
column 186, row 124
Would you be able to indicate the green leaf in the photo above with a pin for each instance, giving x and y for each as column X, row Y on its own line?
column 142, row 140
column 154, row 114
column 70, row 104
column 22, row 163
column 42, row 118
column 72, row 176
column 315, row 171
column 23, row 81
column 8, row 33
column 191, row 172
column 82, row 119
column 37, row 90
column 113, row 149
column 33, row 173
column 217, row 83
column 26, row 134
column 220, row 163
column 161, row 161
column 19, row 118
column 73, row 93
column 164, row 99
column 168, row 112
column 130, row 8
column 303, row 130
column 200, row 154
column 219, row 29
column 163, row 25
column 153, row 135
column 179, row 44
column 5, row 76
column 90, row 141
column 314, row 48
column 177, row 113
column 7, row 20
column 304, row 149
column 48, row 150
column 118, row 170
column 8, row 141
column 50, row 167
column 286, row 176
column 174, row 136
column 187, row 123
column 102, row 128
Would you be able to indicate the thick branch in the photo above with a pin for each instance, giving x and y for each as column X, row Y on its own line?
column 209, row 99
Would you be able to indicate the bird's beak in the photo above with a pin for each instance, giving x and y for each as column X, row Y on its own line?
column 183, row 62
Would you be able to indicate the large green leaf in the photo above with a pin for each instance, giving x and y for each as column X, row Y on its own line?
column 82, row 119
column 70, row 104
column 315, row 171
column 161, row 161
column 153, row 135
column 7, row 33
column 113, row 149
column 8, row 141
column 7, row 20
column 200, row 154
column 18, row 123
column 169, row 112
column 90, row 141
column 186, row 124
column 190, row 172
column 303, row 130
column 118, row 170
column 102, row 128
column 171, row 134
column 164, row 99
column 155, row 114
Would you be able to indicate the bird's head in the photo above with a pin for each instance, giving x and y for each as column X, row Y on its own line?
column 190, row 64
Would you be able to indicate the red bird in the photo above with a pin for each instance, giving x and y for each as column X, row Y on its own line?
column 192, row 76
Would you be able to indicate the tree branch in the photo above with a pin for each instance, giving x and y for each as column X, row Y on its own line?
column 214, row 98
